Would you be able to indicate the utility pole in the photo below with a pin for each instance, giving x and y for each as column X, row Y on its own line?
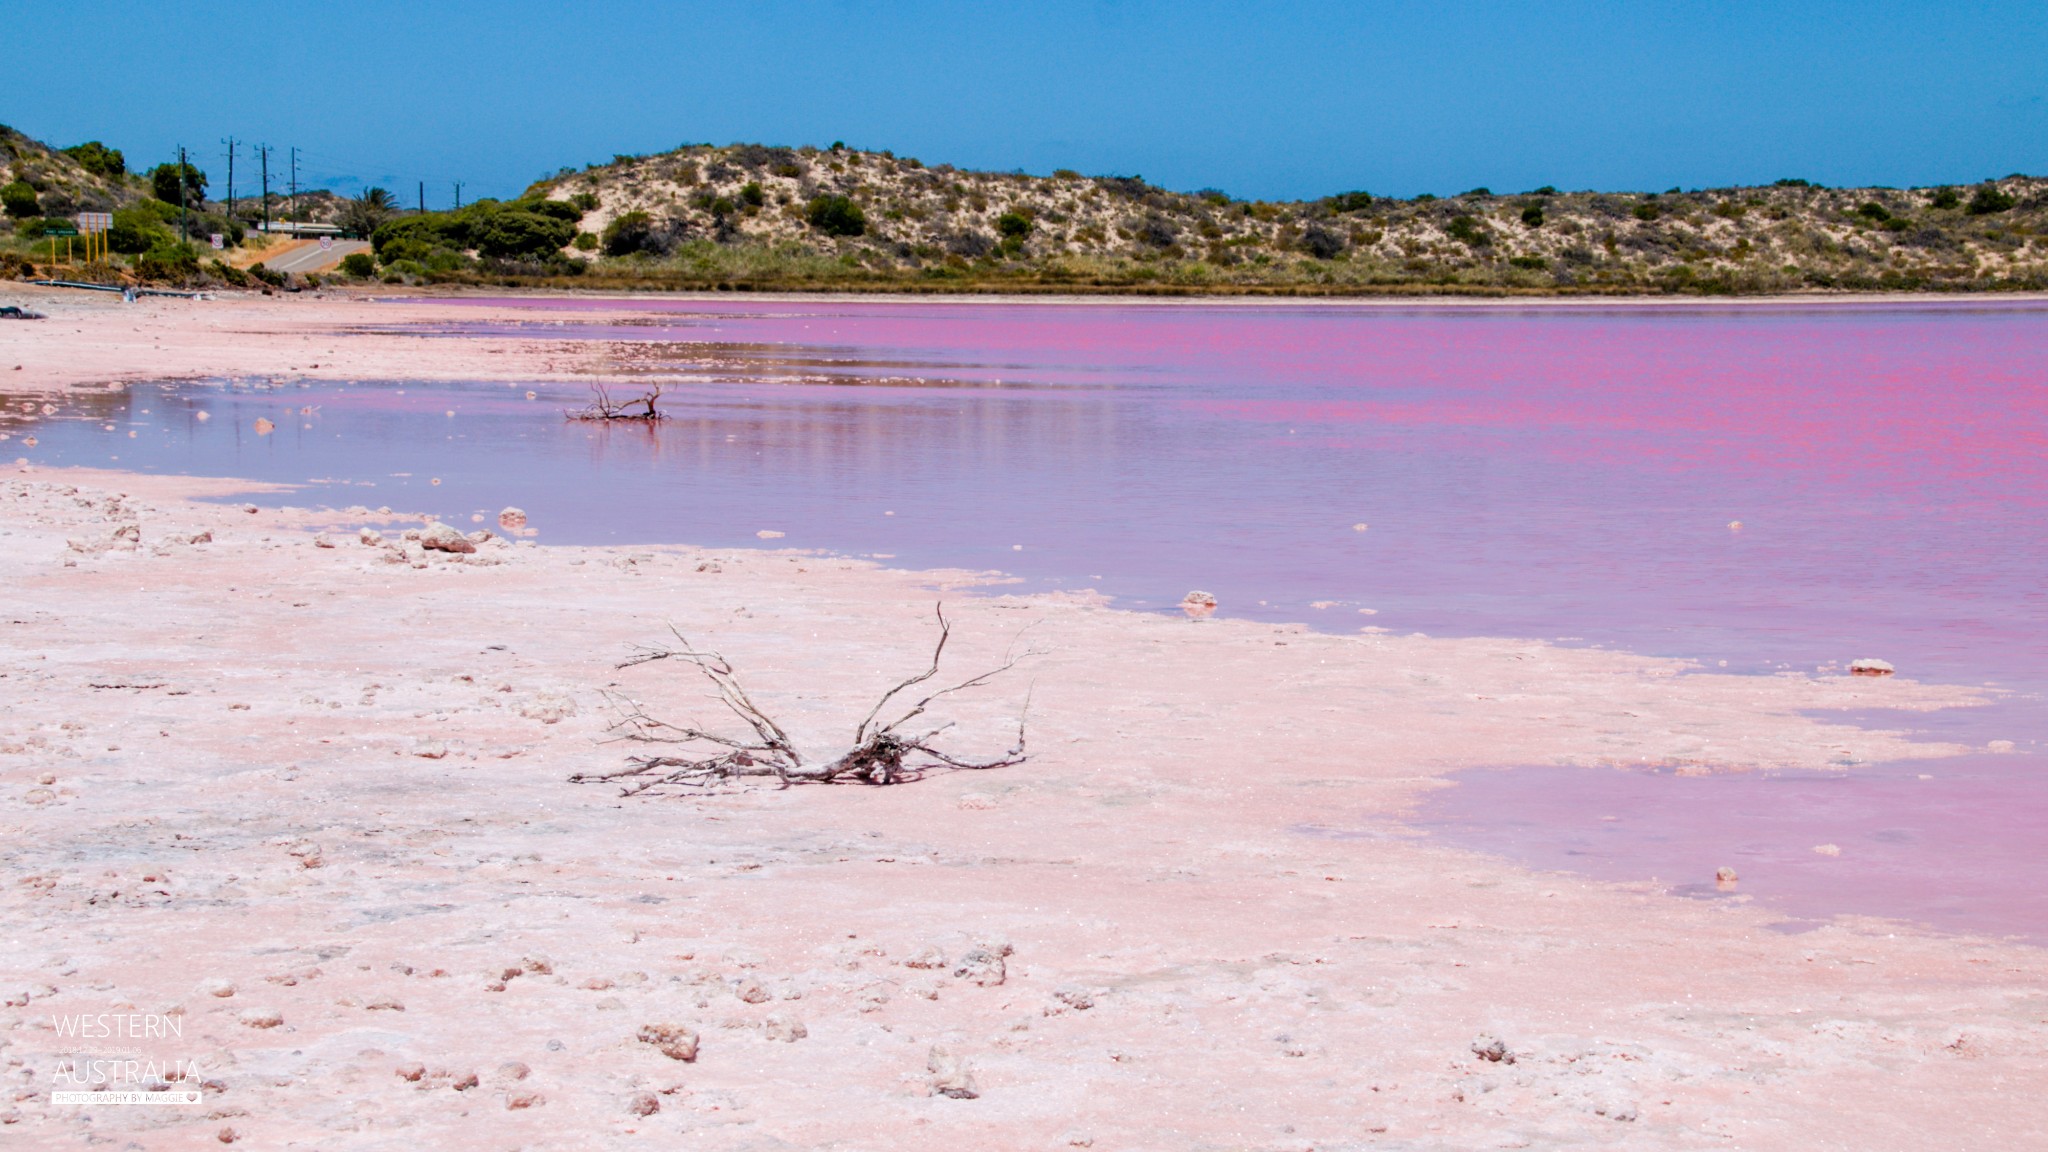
column 231, row 177
column 423, row 197
column 264, row 153
column 184, row 229
column 295, row 182
column 458, row 194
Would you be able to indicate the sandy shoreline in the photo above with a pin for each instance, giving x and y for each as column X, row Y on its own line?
column 336, row 784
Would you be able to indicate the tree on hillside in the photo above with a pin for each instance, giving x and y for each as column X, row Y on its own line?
column 163, row 183
column 99, row 159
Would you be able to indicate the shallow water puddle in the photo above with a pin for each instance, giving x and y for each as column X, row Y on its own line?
column 1953, row 843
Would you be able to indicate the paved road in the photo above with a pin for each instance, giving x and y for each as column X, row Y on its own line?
column 310, row 258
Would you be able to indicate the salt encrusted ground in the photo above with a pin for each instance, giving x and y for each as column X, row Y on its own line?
column 336, row 785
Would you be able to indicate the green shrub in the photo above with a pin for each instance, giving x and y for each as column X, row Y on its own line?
column 1321, row 243
column 19, row 199
column 509, row 234
column 1990, row 199
column 1945, row 198
column 1546, row 190
column 1467, row 230
column 266, row 274
column 1872, row 210
column 98, row 159
column 1647, row 210
column 1014, row 224
column 1898, row 224
column 16, row 266
column 1790, row 182
column 556, row 209
column 1533, row 216
column 627, row 234
column 1350, row 202
column 406, row 248
column 1532, row 263
column 836, row 216
column 587, row 201
column 361, row 265
column 1481, row 191
column 234, row 276
column 172, row 262
column 163, row 183
column 164, row 211
column 751, row 194
column 136, row 230
column 408, row 237
column 585, row 242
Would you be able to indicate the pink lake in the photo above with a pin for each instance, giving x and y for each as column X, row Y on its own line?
column 1571, row 473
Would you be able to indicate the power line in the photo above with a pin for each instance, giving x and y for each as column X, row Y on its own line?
column 184, row 228
column 230, row 142
column 264, row 152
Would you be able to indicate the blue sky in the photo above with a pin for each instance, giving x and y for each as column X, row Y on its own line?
column 1260, row 100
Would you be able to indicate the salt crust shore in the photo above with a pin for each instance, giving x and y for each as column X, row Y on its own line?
column 335, row 784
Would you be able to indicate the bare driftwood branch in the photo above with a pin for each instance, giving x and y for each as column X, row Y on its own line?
column 883, row 752
column 603, row 407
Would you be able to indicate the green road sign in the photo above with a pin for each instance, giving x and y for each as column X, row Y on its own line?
column 62, row 230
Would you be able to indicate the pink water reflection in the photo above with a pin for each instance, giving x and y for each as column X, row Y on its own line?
column 1536, row 471
column 1541, row 472
column 1953, row 844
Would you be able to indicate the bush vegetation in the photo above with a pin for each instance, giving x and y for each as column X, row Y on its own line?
column 758, row 217
column 535, row 229
column 19, row 200
column 1468, row 232
column 1990, row 199
column 1321, row 243
column 98, row 159
column 173, row 262
column 836, row 216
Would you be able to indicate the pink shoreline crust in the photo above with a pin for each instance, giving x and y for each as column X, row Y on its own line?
column 309, row 801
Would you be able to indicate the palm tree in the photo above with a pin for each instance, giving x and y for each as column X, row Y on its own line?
column 363, row 214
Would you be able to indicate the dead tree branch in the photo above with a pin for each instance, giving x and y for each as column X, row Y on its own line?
column 883, row 752
column 603, row 407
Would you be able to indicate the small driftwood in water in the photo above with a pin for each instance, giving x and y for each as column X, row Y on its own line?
column 883, row 751
column 603, row 407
